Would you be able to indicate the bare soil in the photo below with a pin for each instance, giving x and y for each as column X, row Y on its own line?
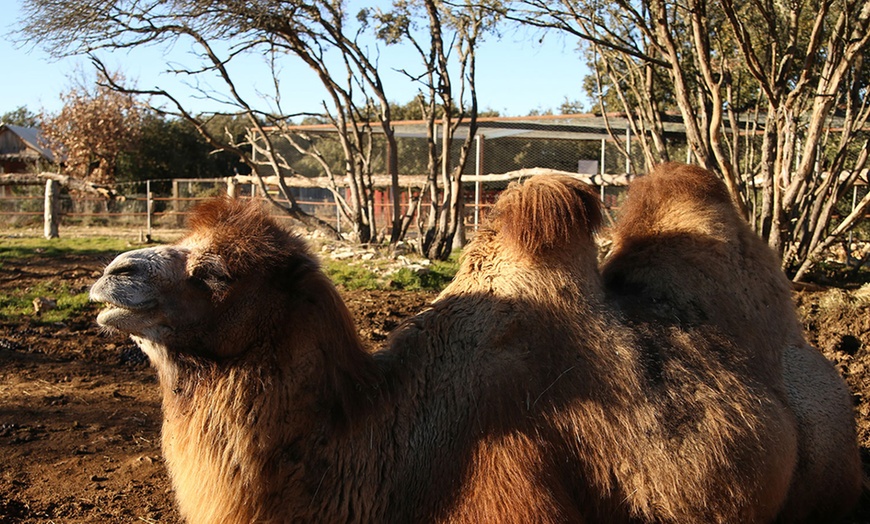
column 80, row 409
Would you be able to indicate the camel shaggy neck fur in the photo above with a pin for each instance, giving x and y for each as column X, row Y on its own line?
column 525, row 393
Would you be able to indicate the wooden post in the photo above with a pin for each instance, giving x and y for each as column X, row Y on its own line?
column 51, row 211
column 176, row 204
column 232, row 187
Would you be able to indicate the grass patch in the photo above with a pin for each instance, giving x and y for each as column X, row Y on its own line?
column 434, row 278
column 351, row 276
column 27, row 247
column 18, row 302
column 377, row 274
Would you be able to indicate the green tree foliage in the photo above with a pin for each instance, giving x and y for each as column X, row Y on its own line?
column 172, row 148
column 20, row 117
column 571, row 107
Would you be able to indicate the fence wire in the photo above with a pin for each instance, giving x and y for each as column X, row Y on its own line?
column 164, row 203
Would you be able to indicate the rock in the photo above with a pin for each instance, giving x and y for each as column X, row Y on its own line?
column 41, row 304
column 341, row 254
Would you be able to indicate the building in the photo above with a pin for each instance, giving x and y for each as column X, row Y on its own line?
column 21, row 149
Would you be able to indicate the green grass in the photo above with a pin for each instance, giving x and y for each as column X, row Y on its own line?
column 437, row 277
column 18, row 303
column 15, row 247
column 356, row 276
column 351, row 276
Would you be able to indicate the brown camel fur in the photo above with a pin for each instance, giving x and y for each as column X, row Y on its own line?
column 524, row 394
column 681, row 250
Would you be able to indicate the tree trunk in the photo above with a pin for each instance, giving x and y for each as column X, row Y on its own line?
column 459, row 239
column 396, row 193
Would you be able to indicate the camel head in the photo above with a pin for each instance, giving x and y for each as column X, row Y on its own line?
column 183, row 296
column 143, row 292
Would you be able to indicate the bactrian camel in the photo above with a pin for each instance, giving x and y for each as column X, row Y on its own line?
column 525, row 393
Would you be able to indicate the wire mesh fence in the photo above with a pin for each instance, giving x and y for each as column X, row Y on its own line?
column 166, row 204
column 607, row 160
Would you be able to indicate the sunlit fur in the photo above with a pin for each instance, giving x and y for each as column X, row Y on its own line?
column 682, row 252
column 670, row 423
column 524, row 394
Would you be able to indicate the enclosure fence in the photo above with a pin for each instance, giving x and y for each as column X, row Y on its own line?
column 503, row 150
column 164, row 204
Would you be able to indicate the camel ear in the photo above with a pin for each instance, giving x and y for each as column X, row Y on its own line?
column 547, row 213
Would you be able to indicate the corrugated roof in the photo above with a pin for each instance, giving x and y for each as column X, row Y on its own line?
column 30, row 136
column 564, row 127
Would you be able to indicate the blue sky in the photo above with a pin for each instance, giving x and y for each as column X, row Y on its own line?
column 517, row 73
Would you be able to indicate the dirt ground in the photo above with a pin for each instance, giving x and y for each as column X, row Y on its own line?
column 80, row 411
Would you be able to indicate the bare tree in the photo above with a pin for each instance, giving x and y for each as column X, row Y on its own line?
column 319, row 33
column 789, row 72
column 447, row 100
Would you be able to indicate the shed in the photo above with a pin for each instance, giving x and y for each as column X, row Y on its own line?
column 22, row 148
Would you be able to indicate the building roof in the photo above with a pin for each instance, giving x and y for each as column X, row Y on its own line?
column 31, row 137
column 586, row 126
column 564, row 127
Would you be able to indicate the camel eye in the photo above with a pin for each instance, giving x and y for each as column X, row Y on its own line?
column 122, row 270
column 198, row 282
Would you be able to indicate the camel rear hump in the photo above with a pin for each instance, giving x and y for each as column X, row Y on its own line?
column 681, row 250
column 681, row 243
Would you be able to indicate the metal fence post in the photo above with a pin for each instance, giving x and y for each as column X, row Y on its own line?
column 478, row 170
column 601, row 169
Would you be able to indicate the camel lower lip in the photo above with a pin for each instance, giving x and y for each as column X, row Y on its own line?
column 118, row 316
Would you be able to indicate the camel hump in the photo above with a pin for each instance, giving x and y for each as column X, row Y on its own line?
column 674, row 180
column 677, row 197
column 671, row 182
column 547, row 212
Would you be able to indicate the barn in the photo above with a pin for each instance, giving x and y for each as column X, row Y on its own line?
column 21, row 149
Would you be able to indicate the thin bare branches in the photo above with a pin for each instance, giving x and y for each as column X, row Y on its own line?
column 784, row 76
